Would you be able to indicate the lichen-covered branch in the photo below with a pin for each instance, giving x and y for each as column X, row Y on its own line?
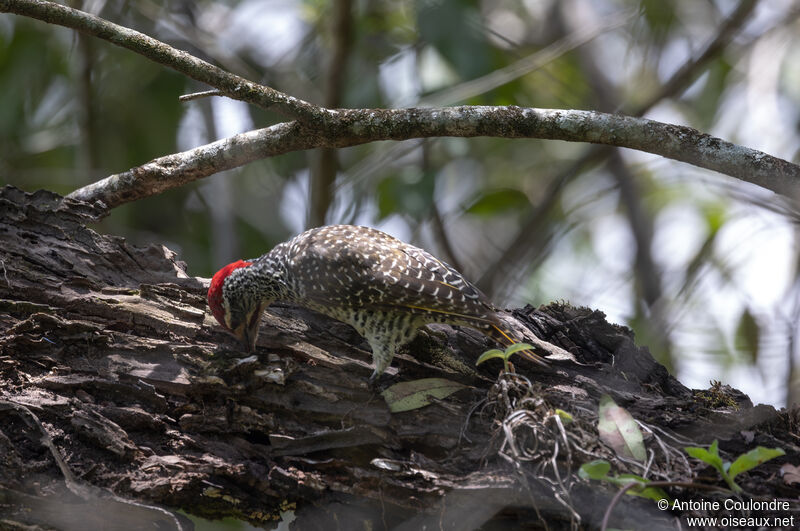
column 172, row 171
column 349, row 127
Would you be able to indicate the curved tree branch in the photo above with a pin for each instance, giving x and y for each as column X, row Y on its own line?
column 350, row 127
column 172, row 171
column 342, row 128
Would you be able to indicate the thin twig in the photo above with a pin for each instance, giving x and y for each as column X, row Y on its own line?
column 690, row 71
column 382, row 156
column 33, row 421
column 198, row 95
column 535, row 61
column 439, row 231
column 5, row 273
column 78, row 488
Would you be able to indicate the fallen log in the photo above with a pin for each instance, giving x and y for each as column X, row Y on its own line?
column 123, row 400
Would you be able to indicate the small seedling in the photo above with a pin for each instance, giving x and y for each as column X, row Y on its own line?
column 599, row 469
column 565, row 417
column 729, row 470
column 504, row 354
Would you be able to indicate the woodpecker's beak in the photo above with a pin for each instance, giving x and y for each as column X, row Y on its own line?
column 250, row 335
column 248, row 331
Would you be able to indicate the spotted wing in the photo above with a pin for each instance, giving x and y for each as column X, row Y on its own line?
column 420, row 282
column 467, row 303
column 365, row 268
column 361, row 268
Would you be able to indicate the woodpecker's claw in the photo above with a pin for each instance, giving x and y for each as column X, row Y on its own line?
column 377, row 381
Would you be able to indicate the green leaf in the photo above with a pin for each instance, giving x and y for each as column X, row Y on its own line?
column 452, row 27
column 597, row 469
column 704, row 106
column 490, row 354
column 516, row 347
column 408, row 192
column 415, row 394
column 752, row 459
column 715, row 214
column 498, row 201
column 659, row 15
column 619, row 430
column 387, row 197
column 710, row 456
column 565, row 417
column 653, row 493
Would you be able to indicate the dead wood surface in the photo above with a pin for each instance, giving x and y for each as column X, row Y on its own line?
column 122, row 400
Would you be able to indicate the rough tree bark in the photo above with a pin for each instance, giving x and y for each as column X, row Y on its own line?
column 122, row 400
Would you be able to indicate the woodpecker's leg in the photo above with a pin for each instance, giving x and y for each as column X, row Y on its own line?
column 382, row 354
column 386, row 335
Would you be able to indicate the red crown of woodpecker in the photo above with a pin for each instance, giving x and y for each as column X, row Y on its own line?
column 215, row 290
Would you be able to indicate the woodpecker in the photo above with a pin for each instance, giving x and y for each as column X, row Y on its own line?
column 382, row 287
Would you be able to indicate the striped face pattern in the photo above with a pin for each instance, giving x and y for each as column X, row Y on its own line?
column 384, row 288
